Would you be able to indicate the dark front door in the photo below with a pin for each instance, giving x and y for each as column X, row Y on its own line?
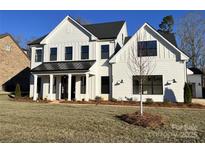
column 73, row 87
column 64, row 87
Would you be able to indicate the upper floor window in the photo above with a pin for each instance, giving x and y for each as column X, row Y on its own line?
column 104, row 51
column 53, row 54
column 85, row 52
column 152, row 85
column 68, row 53
column 38, row 55
column 147, row 48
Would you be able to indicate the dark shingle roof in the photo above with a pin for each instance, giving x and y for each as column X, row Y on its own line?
column 127, row 39
column 108, row 30
column 37, row 41
column 170, row 37
column 64, row 66
column 196, row 70
column 4, row 35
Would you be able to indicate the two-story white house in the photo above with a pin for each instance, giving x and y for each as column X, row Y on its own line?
column 80, row 62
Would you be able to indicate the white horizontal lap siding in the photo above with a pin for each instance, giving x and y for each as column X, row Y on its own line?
column 164, row 64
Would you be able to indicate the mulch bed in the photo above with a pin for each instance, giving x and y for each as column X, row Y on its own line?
column 30, row 100
column 122, row 103
column 133, row 103
column 145, row 120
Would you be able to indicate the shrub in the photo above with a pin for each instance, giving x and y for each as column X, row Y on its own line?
column 18, row 91
column 166, row 101
column 187, row 93
column 149, row 100
column 113, row 100
column 98, row 98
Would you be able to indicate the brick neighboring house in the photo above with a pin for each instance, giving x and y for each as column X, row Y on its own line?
column 14, row 65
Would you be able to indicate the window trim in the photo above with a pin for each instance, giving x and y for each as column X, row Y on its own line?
column 106, row 52
column 71, row 53
column 138, row 53
column 84, row 52
column 36, row 55
column 151, row 87
column 56, row 53
column 108, row 85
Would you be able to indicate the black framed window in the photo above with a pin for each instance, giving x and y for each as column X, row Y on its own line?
column 152, row 85
column 68, row 53
column 147, row 48
column 53, row 54
column 82, row 84
column 38, row 85
column 104, row 51
column 105, row 85
column 38, row 55
column 85, row 52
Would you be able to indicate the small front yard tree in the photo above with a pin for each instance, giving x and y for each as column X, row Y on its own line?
column 140, row 65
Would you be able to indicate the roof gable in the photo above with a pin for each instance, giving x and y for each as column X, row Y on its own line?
column 9, row 35
column 61, row 27
column 170, row 37
column 108, row 30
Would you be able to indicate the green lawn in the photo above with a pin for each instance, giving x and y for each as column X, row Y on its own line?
column 30, row 122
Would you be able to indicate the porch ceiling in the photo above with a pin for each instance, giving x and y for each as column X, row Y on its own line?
column 64, row 66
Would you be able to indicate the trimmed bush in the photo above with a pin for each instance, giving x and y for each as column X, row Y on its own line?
column 187, row 93
column 18, row 91
column 149, row 101
column 98, row 99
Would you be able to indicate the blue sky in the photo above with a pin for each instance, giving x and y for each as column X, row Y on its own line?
column 32, row 24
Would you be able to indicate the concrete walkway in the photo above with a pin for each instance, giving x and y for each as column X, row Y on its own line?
column 198, row 101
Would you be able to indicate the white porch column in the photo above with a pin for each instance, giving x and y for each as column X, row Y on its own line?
column 35, row 87
column 51, row 87
column 87, row 87
column 59, row 89
column 69, row 86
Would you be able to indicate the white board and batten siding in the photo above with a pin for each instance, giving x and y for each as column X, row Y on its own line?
column 165, row 64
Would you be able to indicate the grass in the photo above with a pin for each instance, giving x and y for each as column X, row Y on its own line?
column 32, row 122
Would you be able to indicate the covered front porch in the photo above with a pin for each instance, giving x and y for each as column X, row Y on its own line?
column 72, row 86
column 70, row 80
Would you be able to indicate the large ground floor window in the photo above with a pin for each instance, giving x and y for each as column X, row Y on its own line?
column 152, row 85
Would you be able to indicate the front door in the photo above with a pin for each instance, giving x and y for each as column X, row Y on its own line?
column 64, row 87
column 73, row 87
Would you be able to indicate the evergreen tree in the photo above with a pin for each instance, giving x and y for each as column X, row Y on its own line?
column 167, row 24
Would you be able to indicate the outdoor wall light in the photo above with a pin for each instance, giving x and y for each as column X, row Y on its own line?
column 173, row 81
column 119, row 82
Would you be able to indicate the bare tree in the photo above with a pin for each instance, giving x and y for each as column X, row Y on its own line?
column 140, row 65
column 191, row 34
